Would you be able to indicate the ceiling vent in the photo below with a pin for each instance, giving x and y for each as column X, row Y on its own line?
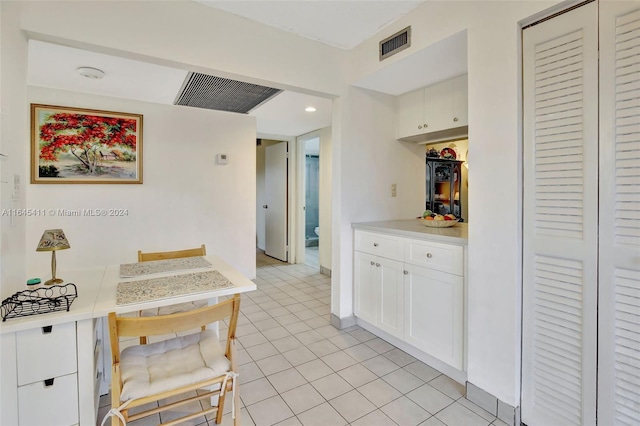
column 222, row 94
column 395, row 43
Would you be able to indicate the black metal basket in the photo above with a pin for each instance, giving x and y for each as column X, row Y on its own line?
column 39, row 301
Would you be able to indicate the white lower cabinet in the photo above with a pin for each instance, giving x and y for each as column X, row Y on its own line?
column 379, row 292
column 434, row 313
column 421, row 305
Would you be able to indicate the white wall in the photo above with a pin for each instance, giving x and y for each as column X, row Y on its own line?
column 186, row 198
column 14, row 143
column 494, row 286
column 365, row 165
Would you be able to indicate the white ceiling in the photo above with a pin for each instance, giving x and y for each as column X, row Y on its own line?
column 343, row 24
column 55, row 66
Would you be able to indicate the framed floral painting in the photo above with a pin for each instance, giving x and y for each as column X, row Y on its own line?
column 74, row 145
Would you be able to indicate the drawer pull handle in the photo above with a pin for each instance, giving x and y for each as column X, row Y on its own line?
column 429, row 255
column 373, row 263
column 375, row 244
column 48, row 382
column 377, row 265
column 47, row 329
column 406, row 272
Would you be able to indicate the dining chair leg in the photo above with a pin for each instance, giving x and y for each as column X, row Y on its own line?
column 220, row 412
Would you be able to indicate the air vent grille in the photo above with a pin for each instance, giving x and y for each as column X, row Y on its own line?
column 395, row 43
column 207, row 91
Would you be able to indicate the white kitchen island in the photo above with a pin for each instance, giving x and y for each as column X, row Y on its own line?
column 410, row 289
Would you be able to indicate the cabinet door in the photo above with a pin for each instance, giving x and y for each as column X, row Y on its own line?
column 391, row 307
column 438, row 106
column 365, row 287
column 410, row 109
column 460, row 102
column 433, row 317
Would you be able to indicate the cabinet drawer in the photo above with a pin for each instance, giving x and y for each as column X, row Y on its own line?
column 441, row 257
column 54, row 405
column 44, row 353
column 379, row 244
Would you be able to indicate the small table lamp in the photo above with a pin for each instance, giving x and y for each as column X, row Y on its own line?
column 53, row 240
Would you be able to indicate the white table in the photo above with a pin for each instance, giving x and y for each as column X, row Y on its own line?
column 74, row 352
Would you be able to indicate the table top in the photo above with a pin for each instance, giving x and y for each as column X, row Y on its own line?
column 97, row 294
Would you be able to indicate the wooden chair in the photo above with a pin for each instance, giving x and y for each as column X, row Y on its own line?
column 161, row 255
column 180, row 307
column 153, row 372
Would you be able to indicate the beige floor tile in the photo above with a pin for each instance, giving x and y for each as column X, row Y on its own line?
column 286, row 380
column 344, row 341
column 249, row 340
column 297, row 327
column 433, row 421
column 448, row 386
column 458, row 415
column 275, row 333
column 331, row 386
column 338, row 361
column 375, row 418
column 403, row 380
column 357, row 375
column 299, row 356
column 422, row 371
column 273, row 364
column 361, row 352
column 363, row 335
column 476, row 409
column 291, row 421
column 262, row 351
column 323, row 348
column 287, row 343
column 249, row 372
column 399, row 357
column 227, row 419
column 379, row 392
column 379, row 345
column 380, row 365
column 269, row 411
column 430, row 398
column 322, row 415
column 309, row 337
column 314, row 370
column 256, row 391
column 405, row 412
column 302, row 398
column 352, row 405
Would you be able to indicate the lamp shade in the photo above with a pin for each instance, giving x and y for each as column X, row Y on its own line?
column 53, row 239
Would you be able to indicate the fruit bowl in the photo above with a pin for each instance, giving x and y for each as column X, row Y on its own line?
column 438, row 223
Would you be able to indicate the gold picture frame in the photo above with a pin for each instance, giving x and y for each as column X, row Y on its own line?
column 85, row 146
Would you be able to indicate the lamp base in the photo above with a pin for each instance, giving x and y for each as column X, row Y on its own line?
column 53, row 281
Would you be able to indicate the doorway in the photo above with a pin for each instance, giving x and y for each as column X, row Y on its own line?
column 312, row 201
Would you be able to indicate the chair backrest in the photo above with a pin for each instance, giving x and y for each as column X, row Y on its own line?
column 174, row 323
column 160, row 255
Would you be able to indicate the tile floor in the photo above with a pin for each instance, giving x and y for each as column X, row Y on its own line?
column 311, row 257
column 297, row 369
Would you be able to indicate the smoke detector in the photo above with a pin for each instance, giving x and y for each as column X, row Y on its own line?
column 93, row 73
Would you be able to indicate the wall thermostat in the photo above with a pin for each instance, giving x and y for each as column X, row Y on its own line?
column 222, row 159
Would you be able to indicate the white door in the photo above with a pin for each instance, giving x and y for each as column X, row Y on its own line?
column 365, row 287
column 619, row 289
column 276, row 201
column 433, row 313
column 391, row 309
column 560, row 247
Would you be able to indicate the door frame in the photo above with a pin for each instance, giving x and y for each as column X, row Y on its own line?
column 299, row 230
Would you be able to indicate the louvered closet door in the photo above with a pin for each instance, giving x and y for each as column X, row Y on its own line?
column 619, row 300
column 560, row 77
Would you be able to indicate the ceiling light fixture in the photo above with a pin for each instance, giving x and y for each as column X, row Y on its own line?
column 93, row 73
column 310, row 109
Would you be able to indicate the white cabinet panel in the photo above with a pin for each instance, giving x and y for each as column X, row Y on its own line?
column 54, row 405
column 391, row 307
column 433, row 317
column 460, row 101
column 438, row 107
column 43, row 354
column 365, row 297
column 442, row 257
column 411, row 113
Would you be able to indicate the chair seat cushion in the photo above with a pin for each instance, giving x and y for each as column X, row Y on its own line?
column 171, row 364
column 174, row 309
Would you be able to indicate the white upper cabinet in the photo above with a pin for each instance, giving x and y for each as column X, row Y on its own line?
column 435, row 112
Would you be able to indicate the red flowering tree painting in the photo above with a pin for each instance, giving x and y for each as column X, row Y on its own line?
column 85, row 146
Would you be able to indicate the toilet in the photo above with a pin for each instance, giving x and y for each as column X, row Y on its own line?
column 317, row 230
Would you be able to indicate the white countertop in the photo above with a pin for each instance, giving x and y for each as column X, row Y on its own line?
column 413, row 228
column 97, row 295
